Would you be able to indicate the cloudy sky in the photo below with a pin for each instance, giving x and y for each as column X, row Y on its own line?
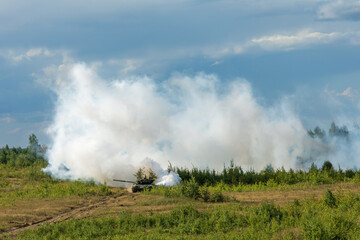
column 307, row 51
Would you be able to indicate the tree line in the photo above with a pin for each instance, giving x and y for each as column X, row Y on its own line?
column 34, row 153
column 234, row 175
column 334, row 131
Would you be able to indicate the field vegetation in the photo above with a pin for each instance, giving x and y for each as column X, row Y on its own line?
column 21, row 177
column 331, row 217
column 317, row 203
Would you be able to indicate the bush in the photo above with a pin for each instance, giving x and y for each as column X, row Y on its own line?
column 329, row 199
column 103, row 190
column 266, row 213
column 329, row 225
column 190, row 189
column 36, row 174
column 217, row 196
column 205, row 193
column 349, row 173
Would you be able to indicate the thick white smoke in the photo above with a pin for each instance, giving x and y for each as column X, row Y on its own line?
column 105, row 130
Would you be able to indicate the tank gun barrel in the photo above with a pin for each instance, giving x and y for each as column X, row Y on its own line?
column 119, row 180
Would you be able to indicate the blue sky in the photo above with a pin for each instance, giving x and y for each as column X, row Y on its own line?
column 307, row 51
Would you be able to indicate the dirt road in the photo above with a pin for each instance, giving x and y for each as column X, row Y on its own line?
column 30, row 214
column 73, row 212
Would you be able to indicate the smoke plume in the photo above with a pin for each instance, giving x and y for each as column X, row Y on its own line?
column 106, row 129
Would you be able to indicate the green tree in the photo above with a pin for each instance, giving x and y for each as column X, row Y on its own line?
column 34, row 145
column 336, row 131
column 318, row 132
column 139, row 174
column 327, row 166
column 329, row 199
column 313, row 168
column 190, row 189
column 3, row 154
column 152, row 175
column 311, row 133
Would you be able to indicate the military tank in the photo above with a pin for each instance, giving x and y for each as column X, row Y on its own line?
column 139, row 185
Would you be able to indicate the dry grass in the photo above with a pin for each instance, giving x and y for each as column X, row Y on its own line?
column 25, row 214
column 282, row 197
column 28, row 212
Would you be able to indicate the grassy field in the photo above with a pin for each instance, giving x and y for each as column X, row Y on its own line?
column 35, row 206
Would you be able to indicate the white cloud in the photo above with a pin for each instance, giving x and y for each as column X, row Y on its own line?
column 216, row 63
column 290, row 42
column 28, row 55
column 340, row 9
column 285, row 42
column 7, row 119
column 347, row 93
column 126, row 65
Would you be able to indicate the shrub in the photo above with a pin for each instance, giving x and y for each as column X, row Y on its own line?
column 328, row 226
column 190, row 189
column 205, row 193
column 217, row 196
column 103, row 190
column 266, row 213
column 329, row 199
column 35, row 174
column 349, row 173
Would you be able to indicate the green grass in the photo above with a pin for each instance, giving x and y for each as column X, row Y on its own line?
column 308, row 219
column 163, row 201
column 19, row 183
column 335, row 216
column 270, row 185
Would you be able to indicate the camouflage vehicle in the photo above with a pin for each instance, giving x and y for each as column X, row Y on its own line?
column 139, row 185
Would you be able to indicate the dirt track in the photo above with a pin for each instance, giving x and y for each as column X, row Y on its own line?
column 146, row 204
column 101, row 206
column 73, row 212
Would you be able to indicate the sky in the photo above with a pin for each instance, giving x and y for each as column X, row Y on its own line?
column 306, row 51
